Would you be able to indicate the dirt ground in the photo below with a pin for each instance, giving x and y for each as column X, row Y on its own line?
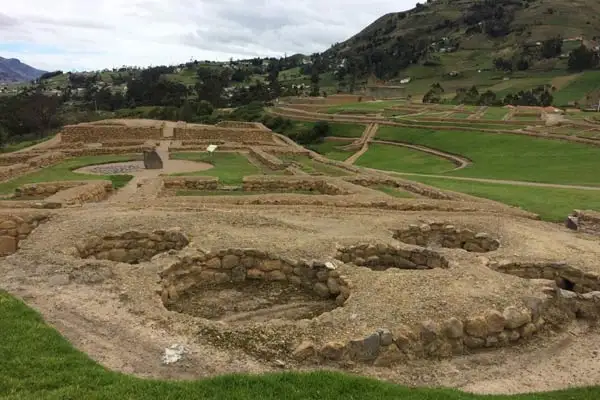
column 117, row 318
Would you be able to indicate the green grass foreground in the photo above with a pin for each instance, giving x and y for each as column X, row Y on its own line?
column 509, row 157
column 64, row 172
column 37, row 363
column 230, row 168
column 551, row 204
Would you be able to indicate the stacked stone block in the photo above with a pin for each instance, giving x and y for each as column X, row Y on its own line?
column 447, row 236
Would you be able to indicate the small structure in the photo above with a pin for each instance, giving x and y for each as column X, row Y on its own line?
column 151, row 159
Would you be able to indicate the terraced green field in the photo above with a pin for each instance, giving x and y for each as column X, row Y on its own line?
column 230, row 168
column 577, row 89
column 402, row 159
column 506, row 156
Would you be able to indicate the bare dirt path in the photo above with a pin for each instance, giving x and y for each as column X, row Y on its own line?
column 460, row 162
column 499, row 181
column 368, row 134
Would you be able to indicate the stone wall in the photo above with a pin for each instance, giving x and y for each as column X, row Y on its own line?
column 210, row 132
column 439, row 339
column 267, row 159
column 32, row 163
column 91, row 191
column 98, row 151
column 587, row 221
column 266, row 183
column 444, row 235
column 381, row 257
column 191, row 182
column 242, row 125
column 16, row 227
column 413, row 187
column 565, row 276
column 45, row 189
column 93, row 133
column 132, row 246
column 199, row 268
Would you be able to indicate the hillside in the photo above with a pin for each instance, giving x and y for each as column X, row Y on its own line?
column 13, row 70
column 456, row 40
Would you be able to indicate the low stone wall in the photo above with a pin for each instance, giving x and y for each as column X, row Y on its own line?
column 242, row 125
column 132, row 246
column 413, row 187
column 587, row 221
column 191, row 182
column 98, row 151
column 199, row 268
column 12, row 171
column 209, row 132
column 16, row 227
column 267, row 159
column 439, row 339
column 91, row 191
column 447, row 236
column 45, row 189
column 95, row 133
column 381, row 257
column 32, row 163
column 129, row 143
column 268, row 183
column 565, row 276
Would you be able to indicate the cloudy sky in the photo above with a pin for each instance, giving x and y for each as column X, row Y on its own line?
column 95, row 34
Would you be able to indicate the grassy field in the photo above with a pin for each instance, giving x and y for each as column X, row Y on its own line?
column 64, row 172
column 37, row 363
column 332, row 150
column 230, row 168
column 11, row 147
column 367, row 105
column 505, row 156
column 311, row 166
column 346, row 130
column 394, row 192
column 578, row 88
column 402, row 159
column 494, row 113
column 550, row 203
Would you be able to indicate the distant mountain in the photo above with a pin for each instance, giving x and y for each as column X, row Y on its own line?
column 13, row 70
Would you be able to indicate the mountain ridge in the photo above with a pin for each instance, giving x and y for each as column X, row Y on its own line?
column 13, row 70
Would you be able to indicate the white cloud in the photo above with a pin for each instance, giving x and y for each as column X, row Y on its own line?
column 82, row 34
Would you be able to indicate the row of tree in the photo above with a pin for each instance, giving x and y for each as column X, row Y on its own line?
column 538, row 96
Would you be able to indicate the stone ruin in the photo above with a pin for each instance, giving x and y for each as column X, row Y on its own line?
column 151, row 159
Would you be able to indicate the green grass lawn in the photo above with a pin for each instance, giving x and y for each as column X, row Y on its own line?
column 506, row 156
column 394, row 192
column 230, row 168
column 402, row 159
column 312, row 166
column 367, row 105
column 346, row 130
column 331, row 149
column 494, row 113
column 38, row 363
column 550, row 203
column 64, row 172
column 10, row 147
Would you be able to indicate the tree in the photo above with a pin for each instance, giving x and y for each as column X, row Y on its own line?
column 314, row 80
column 581, row 58
column 552, row 47
column 434, row 95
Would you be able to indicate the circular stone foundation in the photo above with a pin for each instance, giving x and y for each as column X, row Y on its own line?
column 253, row 301
column 443, row 235
column 113, row 168
column 247, row 285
